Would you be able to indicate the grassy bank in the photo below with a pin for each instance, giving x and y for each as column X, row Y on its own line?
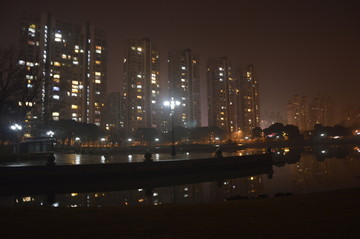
column 319, row 215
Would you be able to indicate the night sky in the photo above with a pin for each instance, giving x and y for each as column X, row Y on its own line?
column 298, row 47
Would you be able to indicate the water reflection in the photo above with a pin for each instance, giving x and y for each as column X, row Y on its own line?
column 295, row 171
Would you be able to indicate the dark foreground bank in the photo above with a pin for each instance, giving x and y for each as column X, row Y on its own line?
column 334, row 214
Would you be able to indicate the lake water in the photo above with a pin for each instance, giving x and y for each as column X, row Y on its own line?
column 293, row 172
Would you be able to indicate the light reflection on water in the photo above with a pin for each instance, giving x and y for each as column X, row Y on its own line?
column 295, row 172
column 76, row 159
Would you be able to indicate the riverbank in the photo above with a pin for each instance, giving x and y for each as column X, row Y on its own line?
column 318, row 215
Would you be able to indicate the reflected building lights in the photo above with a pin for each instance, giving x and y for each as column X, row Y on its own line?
column 77, row 159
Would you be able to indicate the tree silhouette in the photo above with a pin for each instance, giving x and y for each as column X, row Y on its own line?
column 20, row 86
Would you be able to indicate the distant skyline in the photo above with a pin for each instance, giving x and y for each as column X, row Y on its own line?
column 298, row 47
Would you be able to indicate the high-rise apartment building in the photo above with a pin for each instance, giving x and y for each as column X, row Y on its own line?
column 298, row 112
column 270, row 118
column 73, row 61
column 320, row 111
column 221, row 95
column 350, row 116
column 114, row 119
column 247, row 98
column 184, row 86
column 141, row 85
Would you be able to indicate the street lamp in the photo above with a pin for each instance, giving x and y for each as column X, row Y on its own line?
column 16, row 128
column 172, row 104
column 50, row 133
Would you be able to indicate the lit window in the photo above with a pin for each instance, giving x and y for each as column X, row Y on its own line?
column 98, row 48
column 56, row 97
column 74, row 107
column 139, row 49
column 58, row 37
column 63, row 56
column 97, row 62
column 74, row 82
column 57, row 63
column 98, row 73
column 98, row 81
column 75, row 62
column 55, row 88
column 56, row 76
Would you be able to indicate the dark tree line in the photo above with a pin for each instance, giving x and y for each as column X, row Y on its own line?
column 281, row 131
column 147, row 136
column 65, row 131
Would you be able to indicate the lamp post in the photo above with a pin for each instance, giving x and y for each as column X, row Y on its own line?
column 50, row 133
column 172, row 104
column 16, row 128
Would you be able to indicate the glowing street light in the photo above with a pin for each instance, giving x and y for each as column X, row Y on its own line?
column 16, row 128
column 172, row 104
column 50, row 133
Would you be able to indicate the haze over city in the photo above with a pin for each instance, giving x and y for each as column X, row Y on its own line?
column 298, row 47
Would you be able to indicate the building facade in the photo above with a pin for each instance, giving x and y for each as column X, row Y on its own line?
column 114, row 119
column 320, row 111
column 298, row 112
column 221, row 89
column 184, row 86
column 73, row 60
column 141, row 85
column 247, row 99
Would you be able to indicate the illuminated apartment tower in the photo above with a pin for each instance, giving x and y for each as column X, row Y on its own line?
column 141, row 85
column 73, row 61
column 298, row 113
column 184, row 86
column 247, row 99
column 221, row 95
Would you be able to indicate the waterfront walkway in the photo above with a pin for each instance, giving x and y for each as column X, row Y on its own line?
column 327, row 215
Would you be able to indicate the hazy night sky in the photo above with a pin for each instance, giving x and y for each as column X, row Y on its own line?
column 298, row 47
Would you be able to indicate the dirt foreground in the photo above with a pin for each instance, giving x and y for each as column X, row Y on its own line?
column 334, row 214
